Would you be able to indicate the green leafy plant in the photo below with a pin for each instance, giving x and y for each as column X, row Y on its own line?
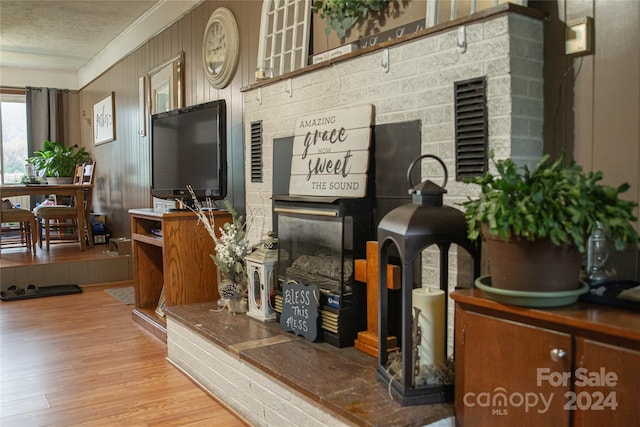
column 341, row 15
column 56, row 160
column 562, row 203
column 232, row 246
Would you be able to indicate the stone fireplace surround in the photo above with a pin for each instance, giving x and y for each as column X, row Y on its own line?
column 504, row 44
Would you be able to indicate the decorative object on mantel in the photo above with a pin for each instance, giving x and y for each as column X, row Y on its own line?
column 232, row 247
column 390, row 34
column 537, row 222
column 263, row 73
column 342, row 15
column 409, row 229
column 334, row 53
column 262, row 274
column 57, row 161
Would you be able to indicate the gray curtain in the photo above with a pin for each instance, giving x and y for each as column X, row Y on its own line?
column 44, row 121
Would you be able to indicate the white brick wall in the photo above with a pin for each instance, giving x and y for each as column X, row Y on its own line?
column 259, row 399
column 419, row 86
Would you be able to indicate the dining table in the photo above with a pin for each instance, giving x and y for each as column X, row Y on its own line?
column 77, row 191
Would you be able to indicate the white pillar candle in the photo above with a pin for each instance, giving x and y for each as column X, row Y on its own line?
column 432, row 323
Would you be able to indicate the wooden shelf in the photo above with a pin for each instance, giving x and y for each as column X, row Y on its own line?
column 148, row 238
column 179, row 261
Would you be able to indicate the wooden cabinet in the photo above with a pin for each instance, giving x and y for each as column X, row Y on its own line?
column 171, row 257
column 566, row 366
column 622, row 362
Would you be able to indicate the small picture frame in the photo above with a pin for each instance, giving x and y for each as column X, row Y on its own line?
column 104, row 119
column 160, row 307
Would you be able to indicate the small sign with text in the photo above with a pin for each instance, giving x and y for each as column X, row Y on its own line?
column 331, row 153
column 300, row 309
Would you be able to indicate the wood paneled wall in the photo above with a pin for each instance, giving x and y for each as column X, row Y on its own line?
column 123, row 169
column 592, row 103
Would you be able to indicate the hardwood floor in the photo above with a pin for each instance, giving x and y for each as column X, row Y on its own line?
column 79, row 360
column 61, row 252
column 65, row 263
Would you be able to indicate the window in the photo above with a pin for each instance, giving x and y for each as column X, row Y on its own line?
column 284, row 35
column 13, row 137
column 439, row 11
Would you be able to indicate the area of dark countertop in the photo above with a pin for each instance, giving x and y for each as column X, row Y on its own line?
column 342, row 380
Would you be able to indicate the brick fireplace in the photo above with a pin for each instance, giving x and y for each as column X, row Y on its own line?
column 505, row 48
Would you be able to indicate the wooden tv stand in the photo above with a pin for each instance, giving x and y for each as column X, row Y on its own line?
column 171, row 250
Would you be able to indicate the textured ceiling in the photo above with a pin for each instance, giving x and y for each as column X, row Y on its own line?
column 62, row 35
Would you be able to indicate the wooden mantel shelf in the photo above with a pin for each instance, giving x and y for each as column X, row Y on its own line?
column 482, row 15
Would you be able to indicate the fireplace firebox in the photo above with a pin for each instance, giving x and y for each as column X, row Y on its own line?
column 318, row 240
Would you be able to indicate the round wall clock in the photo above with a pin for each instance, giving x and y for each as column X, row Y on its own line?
column 220, row 47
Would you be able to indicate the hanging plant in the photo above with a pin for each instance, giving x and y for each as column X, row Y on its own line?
column 341, row 15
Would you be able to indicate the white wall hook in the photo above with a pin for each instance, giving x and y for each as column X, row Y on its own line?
column 384, row 62
column 289, row 88
column 259, row 96
column 462, row 39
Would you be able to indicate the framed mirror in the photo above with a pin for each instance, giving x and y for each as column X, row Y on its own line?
column 166, row 85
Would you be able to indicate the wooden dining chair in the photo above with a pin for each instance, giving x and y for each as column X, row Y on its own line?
column 17, row 227
column 59, row 223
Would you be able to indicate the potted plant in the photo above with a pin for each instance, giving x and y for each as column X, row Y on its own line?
column 537, row 222
column 232, row 246
column 342, row 15
column 57, row 161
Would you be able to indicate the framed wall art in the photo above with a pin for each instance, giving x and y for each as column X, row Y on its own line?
column 104, row 120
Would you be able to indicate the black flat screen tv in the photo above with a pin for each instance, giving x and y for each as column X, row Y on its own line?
column 189, row 147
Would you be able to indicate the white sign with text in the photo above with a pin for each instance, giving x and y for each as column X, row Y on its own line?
column 331, row 153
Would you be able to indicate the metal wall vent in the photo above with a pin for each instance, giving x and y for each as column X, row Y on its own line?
column 471, row 128
column 256, row 151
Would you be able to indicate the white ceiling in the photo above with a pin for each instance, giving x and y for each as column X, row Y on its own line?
column 66, row 40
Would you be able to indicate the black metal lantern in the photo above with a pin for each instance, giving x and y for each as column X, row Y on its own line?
column 411, row 228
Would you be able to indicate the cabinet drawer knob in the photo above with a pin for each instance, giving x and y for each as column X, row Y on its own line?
column 556, row 354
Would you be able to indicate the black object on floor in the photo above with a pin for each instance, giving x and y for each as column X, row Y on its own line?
column 32, row 291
